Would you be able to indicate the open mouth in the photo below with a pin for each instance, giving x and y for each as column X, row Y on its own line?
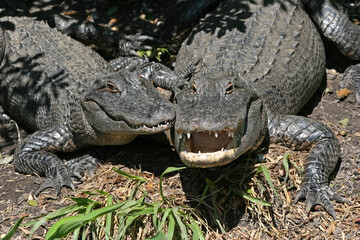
column 206, row 141
column 207, row 148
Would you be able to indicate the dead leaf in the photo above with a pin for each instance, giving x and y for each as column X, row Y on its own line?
column 288, row 196
column 71, row 12
column 343, row 93
column 112, row 21
column 6, row 159
column 357, row 134
column 328, row 90
column 150, row 185
column 344, row 121
column 331, row 229
column 342, row 133
column 142, row 16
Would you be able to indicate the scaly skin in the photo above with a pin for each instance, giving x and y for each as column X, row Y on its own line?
column 70, row 97
column 336, row 27
column 306, row 134
column 259, row 65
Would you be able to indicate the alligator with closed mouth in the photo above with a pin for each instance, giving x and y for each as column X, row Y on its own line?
column 71, row 98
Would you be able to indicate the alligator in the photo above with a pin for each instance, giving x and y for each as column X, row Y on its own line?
column 256, row 65
column 70, row 98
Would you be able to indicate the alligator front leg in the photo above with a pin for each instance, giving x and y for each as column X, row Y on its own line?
column 129, row 63
column 35, row 155
column 303, row 133
column 157, row 73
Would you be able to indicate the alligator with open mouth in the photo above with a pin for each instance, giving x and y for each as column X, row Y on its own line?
column 257, row 64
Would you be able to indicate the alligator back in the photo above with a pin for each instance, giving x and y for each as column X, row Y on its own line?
column 42, row 71
column 274, row 48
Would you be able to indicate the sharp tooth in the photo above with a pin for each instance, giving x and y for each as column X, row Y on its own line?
column 180, row 136
column 168, row 136
column 216, row 135
column 229, row 134
column 199, row 152
column 222, row 149
column 188, row 135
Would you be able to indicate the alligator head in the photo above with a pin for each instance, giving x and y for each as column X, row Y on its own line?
column 217, row 120
column 124, row 103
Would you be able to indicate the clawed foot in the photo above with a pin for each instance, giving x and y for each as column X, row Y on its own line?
column 66, row 173
column 321, row 196
column 128, row 44
column 82, row 166
column 61, row 178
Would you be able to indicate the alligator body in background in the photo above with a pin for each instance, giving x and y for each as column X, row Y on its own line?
column 258, row 63
column 71, row 98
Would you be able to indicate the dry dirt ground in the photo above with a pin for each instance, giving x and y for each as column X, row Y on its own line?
column 239, row 218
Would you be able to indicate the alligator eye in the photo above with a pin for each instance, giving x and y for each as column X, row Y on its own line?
column 230, row 88
column 110, row 87
column 193, row 87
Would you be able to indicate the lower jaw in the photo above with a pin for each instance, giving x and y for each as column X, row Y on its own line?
column 207, row 160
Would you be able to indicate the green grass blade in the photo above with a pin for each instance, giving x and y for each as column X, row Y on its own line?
column 92, row 193
column 220, row 226
column 164, row 217
column 140, row 211
column 76, row 234
column 109, row 219
column 196, row 231
column 84, row 201
column 103, row 193
column 183, row 231
column 255, row 200
column 210, row 183
column 301, row 172
column 159, row 236
column 128, row 222
column 171, row 227
column 127, row 175
column 56, row 214
column 155, row 218
column 13, row 230
column 203, row 196
column 265, row 170
column 168, row 170
column 87, row 211
column 66, row 225
column 286, row 166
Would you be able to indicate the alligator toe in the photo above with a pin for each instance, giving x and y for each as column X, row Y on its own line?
column 320, row 196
